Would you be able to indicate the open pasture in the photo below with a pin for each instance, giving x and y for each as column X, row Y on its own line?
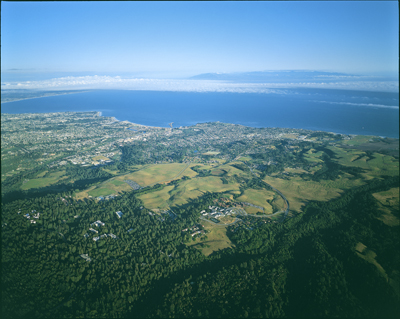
column 101, row 191
column 257, row 197
column 216, row 240
column 380, row 164
column 159, row 173
column 388, row 201
column 110, row 187
column 252, row 210
column 245, row 159
column 313, row 156
column 100, row 157
column 190, row 189
column 157, row 200
column 44, row 181
column 195, row 187
column 231, row 171
column 299, row 192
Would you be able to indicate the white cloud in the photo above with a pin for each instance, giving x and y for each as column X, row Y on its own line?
column 116, row 82
column 362, row 104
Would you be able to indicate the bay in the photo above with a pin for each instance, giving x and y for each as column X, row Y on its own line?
column 339, row 111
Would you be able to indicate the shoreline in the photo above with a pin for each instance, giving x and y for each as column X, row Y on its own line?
column 114, row 119
column 38, row 97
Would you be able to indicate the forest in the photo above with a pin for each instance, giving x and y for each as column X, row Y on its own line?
column 306, row 266
column 336, row 254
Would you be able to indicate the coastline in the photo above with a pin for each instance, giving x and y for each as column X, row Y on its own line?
column 157, row 110
column 38, row 97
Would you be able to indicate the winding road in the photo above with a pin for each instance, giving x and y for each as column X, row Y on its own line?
column 286, row 212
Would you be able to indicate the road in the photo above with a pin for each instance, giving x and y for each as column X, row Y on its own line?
column 286, row 212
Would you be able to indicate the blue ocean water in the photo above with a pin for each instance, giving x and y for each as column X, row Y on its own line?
column 340, row 111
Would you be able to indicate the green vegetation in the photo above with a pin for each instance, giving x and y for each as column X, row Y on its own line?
column 204, row 230
column 44, row 181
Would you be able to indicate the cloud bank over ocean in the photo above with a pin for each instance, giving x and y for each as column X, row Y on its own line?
column 192, row 85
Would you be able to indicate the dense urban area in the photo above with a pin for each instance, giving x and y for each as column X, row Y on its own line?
column 107, row 218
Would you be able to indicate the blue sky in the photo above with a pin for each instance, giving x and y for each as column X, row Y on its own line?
column 178, row 39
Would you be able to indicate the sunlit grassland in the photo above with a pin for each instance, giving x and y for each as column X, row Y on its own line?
column 231, row 171
column 257, row 197
column 117, row 182
column 218, row 171
column 41, row 174
column 196, row 187
column 380, row 164
column 158, row 199
column 110, row 187
column 159, row 173
column 100, row 157
column 357, row 140
column 149, row 175
column 189, row 189
column 216, row 239
column 245, row 158
column 388, row 201
column 252, row 210
column 102, row 191
column 84, row 194
column 299, row 192
column 313, row 156
column 278, row 204
column 44, row 181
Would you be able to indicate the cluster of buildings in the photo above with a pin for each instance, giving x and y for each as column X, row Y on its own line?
column 36, row 216
column 104, row 235
column 105, row 197
column 86, row 257
column 217, row 212
column 166, row 213
column 99, row 223
column 195, row 230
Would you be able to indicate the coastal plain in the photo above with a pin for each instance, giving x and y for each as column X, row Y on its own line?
column 152, row 205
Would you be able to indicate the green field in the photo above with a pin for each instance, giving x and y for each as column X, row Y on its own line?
column 44, row 181
column 159, row 173
column 158, row 199
column 100, row 157
column 299, row 192
column 189, row 189
column 257, row 197
column 102, row 191
column 117, row 183
column 216, row 240
column 379, row 165
column 231, row 171
column 313, row 156
column 388, row 201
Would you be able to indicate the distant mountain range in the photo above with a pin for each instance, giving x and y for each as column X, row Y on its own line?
column 286, row 76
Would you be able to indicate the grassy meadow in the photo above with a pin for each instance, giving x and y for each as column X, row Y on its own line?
column 257, row 197
column 44, row 181
column 216, row 240
column 388, row 201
